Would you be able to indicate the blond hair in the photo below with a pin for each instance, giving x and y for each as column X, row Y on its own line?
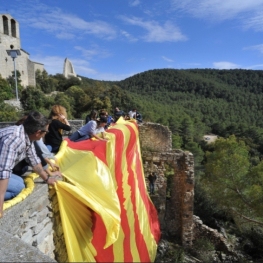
column 55, row 112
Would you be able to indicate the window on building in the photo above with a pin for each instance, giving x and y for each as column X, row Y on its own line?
column 5, row 23
column 13, row 27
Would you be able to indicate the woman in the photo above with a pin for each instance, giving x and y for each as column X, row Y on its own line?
column 90, row 116
column 90, row 130
column 59, row 122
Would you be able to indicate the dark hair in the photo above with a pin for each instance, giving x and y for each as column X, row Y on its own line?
column 93, row 115
column 35, row 121
column 103, row 120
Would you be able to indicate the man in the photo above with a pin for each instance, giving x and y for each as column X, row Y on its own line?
column 16, row 144
column 118, row 113
column 132, row 114
column 152, row 178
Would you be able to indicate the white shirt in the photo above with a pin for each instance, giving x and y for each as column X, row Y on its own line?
column 132, row 114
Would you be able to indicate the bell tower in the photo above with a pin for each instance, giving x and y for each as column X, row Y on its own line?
column 9, row 32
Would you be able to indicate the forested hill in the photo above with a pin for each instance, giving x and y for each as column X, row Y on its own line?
column 227, row 97
column 210, row 83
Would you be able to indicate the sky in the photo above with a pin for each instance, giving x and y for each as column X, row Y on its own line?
column 116, row 39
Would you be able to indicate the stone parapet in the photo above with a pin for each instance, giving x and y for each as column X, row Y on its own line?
column 32, row 222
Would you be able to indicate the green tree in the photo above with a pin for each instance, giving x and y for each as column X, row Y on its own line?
column 231, row 184
column 6, row 91
column 187, row 128
column 177, row 141
column 79, row 100
column 11, row 81
column 65, row 101
column 32, row 98
column 46, row 83
column 8, row 113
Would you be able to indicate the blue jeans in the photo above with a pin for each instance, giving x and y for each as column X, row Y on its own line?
column 76, row 137
column 151, row 184
column 49, row 147
column 53, row 149
column 14, row 187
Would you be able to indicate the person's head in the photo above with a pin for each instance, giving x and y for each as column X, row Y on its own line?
column 56, row 110
column 36, row 125
column 93, row 115
column 102, row 121
column 103, row 113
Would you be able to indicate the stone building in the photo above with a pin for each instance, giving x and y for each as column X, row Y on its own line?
column 10, row 35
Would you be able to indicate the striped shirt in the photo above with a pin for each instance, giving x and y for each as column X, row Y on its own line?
column 14, row 147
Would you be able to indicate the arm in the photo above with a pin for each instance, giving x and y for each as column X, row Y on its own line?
column 44, row 175
column 60, row 125
column 64, row 119
column 99, row 138
column 101, row 131
column 37, row 166
column 54, row 167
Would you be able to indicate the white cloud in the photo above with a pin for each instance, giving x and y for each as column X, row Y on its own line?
column 134, row 2
column 128, row 36
column 259, row 66
column 225, row 65
column 52, row 64
column 167, row 59
column 156, row 32
column 255, row 22
column 217, row 9
column 63, row 25
column 92, row 52
column 256, row 47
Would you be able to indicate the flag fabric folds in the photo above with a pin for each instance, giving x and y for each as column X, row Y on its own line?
column 106, row 212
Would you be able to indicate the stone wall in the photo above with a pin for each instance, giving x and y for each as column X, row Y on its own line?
column 155, row 137
column 30, row 221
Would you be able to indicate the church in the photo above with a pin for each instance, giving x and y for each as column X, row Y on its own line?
column 10, row 40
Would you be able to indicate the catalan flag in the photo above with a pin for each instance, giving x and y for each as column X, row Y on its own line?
column 106, row 212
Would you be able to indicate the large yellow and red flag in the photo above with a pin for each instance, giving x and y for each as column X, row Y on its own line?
column 106, row 212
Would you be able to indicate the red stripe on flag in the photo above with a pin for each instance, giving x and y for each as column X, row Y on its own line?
column 153, row 215
column 95, row 146
column 99, row 240
column 120, row 192
column 140, row 242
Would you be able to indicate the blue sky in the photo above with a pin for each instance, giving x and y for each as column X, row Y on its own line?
column 115, row 39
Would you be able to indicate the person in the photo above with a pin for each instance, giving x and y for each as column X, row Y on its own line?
column 110, row 120
column 47, row 154
column 16, row 144
column 138, row 117
column 118, row 113
column 90, row 116
column 42, row 152
column 101, row 126
column 90, row 130
column 152, row 178
column 132, row 114
column 59, row 122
